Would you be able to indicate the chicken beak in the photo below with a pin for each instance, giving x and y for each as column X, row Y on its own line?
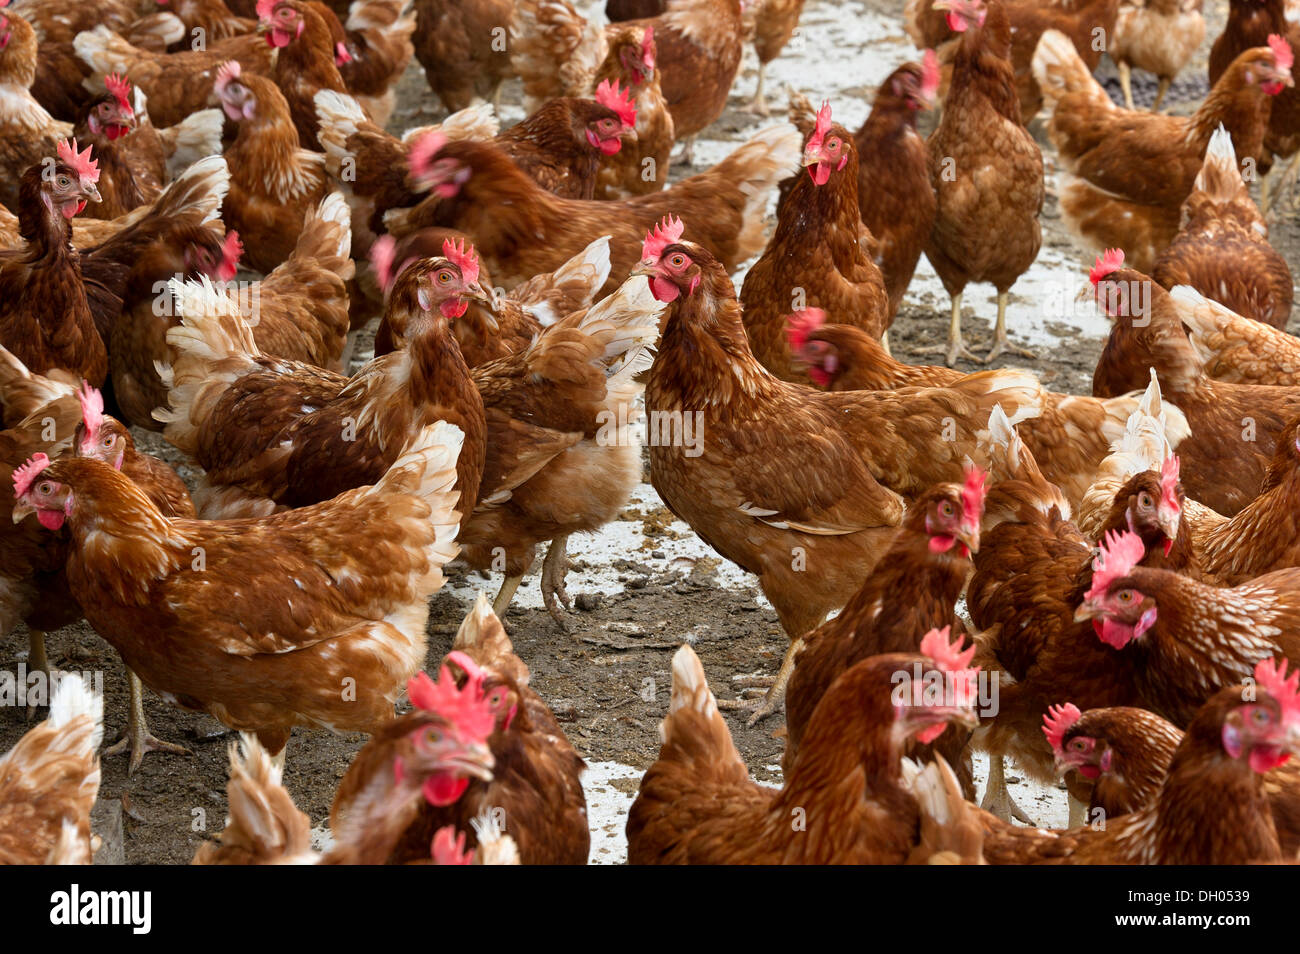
column 971, row 537
column 645, row 267
column 475, row 292
column 263, row 27
column 629, row 134
column 1168, row 523
column 21, row 509
column 941, row 5
column 91, row 192
column 1086, row 611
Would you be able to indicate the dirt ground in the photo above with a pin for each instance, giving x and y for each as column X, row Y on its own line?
column 636, row 605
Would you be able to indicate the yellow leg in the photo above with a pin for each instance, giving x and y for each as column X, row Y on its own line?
column 1126, row 83
column 1160, row 93
column 505, row 595
column 956, row 347
column 1001, row 344
column 137, row 735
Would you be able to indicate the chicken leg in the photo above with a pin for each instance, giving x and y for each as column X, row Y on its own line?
column 1161, row 89
column 956, row 347
column 36, row 660
column 775, row 697
column 996, row 797
column 1126, row 83
column 688, row 151
column 1078, row 811
column 506, row 594
column 1002, row 344
column 554, row 568
column 137, row 734
column 758, row 105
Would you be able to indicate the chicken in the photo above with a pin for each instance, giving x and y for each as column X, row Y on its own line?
column 217, row 20
column 1114, row 759
column 177, row 84
column 1069, row 440
column 1250, row 24
column 983, row 232
column 817, row 256
column 1185, row 639
column 464, row 48
column 28, row 133
column 913, row 590
column 952, row 831
column 641, row 166
column 698, row 47
column 843, row 803
column 379, row 49
column 57, row 21
column 272, row 433
column 274, row 183
column 126, row 179
column 1233, row 426
column 1212, row 807
column 474, row 188
column 191, row 609
column 435, row 749
column 802, row 488
column 1158, row 36
column 45, row 315
column 303, row 63
column 534, row 794
column 562, row 144
column 510, row 323
column 1233, row 348
column 1084, row 22
column 775, row 22
column 1222, row 247
column 895, row 195
column 49, row 780
column 1130, row 173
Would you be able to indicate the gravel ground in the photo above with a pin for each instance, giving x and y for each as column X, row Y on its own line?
column 645, row 583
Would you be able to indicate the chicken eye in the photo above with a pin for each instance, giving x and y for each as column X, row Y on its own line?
column 1261, row 716
column 1145, row 500
column 495, row 700
column 677, row 261
column 1079, row 745
column 833, row 144
column 444, row 277
column 433, row 736
column 1125, row 596
column 45, row 488
column 64, row 182
column 108, row 441
column 946, row 509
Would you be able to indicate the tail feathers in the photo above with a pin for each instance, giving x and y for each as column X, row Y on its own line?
column 1059, row 71
column 1018, row 393
column 626, row 320
column 74, row 699
column 802, row 113
column 197, row 193
column 482, row 633
column 690, row 688
column 339, row 117
column 555, row 50
column 327, row 235
column 495, row 847
column 1019, row 490
column 23, row 393
column 694, row 732
column 472, row 124
column 1220, row 179
column 105, row 52
column 264, row 826
column 756, row 169
column 156, row 31
column 195, row 137
column 951, row 833
column 427, row 469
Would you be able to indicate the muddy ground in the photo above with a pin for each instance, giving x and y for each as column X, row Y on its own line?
column 646, row 582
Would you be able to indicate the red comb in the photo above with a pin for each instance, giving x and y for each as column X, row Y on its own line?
column 25, row 475
column 801, row 324
column 823, row 126
column 265, row 8
column 1169, row 483
column 448, row 847
column 930, row 74
column 81, row 163
column 665, row 233
column 423, row 150
column 92, row 407
column 226, row 72
column 1273, row 679
column 341, row 54
column 382, row 253
column 231, row 250
column 648, row 47
column 620, row 101
column 1057, row 722
column 950, row 658
column 1107, row 262
column 120, row 87
column 463, row 255
column 466, row 708
column 1281, row 51
column 1120, row 552
column 972, row 495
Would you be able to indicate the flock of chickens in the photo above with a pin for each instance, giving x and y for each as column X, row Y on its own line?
column 202, row 208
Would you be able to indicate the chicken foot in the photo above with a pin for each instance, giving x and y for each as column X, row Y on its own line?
column 1001, row 343
column 775, row 697
column 506, row 594
column 956, row 347
column 996, row 797
column 137, row 734
column 554, row 568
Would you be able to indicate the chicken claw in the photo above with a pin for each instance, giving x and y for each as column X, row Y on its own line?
column 137, row 734
column 554, row 568
column 997, row 799
column 956, row 346
column 1001, row 343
